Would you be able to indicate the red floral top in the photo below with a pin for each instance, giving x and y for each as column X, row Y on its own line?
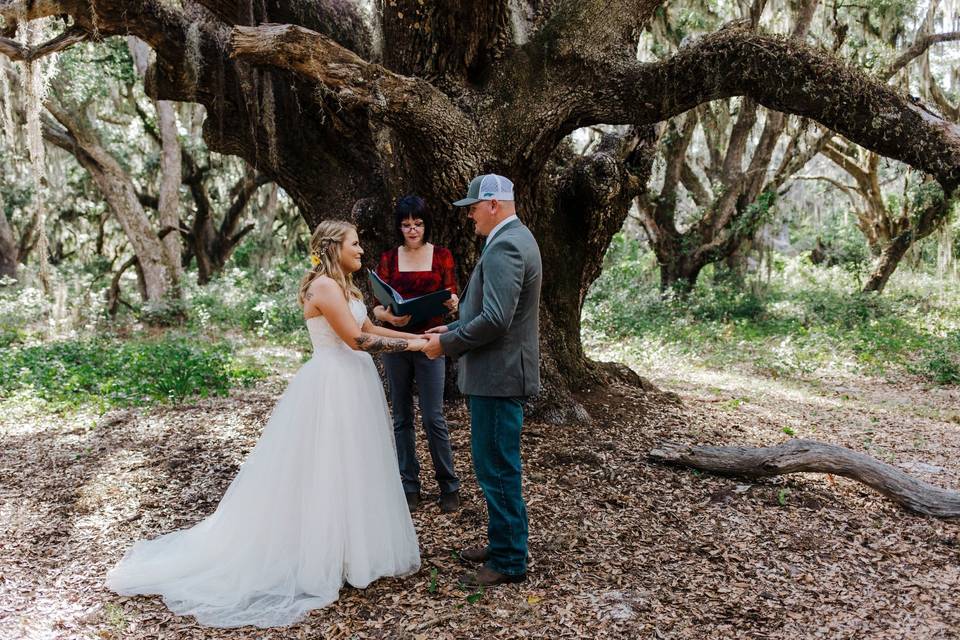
column 410, row 284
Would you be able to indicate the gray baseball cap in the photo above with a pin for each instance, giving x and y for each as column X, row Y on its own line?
column 487, row 187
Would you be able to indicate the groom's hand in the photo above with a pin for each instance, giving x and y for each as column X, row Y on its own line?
column 433, row 348
column 438, row 330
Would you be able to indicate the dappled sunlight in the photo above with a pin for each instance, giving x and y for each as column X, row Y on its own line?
column 906, row 422
column 104, row 500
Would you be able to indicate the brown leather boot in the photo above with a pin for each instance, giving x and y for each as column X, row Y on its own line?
column 413, row 500
column 449, row 502
column 487, row 577
column 475, row 554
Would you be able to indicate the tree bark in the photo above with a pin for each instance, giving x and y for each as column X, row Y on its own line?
column 119, row 192
column 8, row 246
column 171, row 171
column 168, row 206
column 798, row 456
column 931, row 209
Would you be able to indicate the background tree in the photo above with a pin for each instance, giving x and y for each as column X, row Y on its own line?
column 725, row 163
column 347, row 113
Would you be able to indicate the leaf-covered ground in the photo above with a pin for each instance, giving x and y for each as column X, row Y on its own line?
column 620, row 548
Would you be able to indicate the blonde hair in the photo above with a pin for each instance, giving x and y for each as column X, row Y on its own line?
column 325, row 246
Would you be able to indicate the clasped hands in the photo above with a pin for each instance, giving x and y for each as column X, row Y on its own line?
column 430, row 338
column 429, row 342
column 433, row 349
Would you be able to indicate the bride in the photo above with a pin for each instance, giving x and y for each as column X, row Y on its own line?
column 318, row 502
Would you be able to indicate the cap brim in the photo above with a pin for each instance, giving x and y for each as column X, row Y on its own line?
column 466, row 202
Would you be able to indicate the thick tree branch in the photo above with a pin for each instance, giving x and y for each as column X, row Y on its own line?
column 675, row 152
column 788, row 77
column 341, row 21
column 12, row 11
column 915, row 50
column 411, row 108
column 21, row 52
column 692, row 183
column 241, row 193
column 594, row 28
column 798, row 456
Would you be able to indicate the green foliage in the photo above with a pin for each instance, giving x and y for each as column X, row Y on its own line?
column 782, row 496
column 262, row 302
column 476, row 596
column 804, row 323
column 113, row 373
column 940, row 362
column 88, row 64
column 757, row 213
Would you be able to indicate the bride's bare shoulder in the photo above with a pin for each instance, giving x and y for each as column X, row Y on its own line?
column 323, row 285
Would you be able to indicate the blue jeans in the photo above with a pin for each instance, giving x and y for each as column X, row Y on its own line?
column 401, row 370
column 495, row 442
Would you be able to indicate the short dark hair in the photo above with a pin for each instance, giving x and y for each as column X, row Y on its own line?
column 412, row 206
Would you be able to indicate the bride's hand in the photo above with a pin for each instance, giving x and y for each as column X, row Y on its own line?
column 417, row 344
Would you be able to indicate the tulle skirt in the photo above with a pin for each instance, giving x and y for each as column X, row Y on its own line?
column 318, row 502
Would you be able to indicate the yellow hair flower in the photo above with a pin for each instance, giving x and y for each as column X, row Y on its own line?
column 314, row 259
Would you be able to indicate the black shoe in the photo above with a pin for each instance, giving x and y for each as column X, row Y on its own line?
column 449, row 502
column 413, row 500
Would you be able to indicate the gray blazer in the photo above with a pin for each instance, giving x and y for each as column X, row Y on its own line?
column 497, row 338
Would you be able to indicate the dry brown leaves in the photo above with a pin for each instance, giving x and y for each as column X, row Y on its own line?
column 620, row 548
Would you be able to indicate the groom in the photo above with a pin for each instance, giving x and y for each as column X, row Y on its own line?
column 497, row 342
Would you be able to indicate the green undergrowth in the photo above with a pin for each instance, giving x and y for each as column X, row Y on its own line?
column 805, row 321
column 109, row 372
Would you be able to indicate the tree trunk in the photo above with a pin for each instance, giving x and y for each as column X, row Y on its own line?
column 212, row 242
column 120, row 193
column 265, row 220
column 797, row 456
column 8, row 246
column 931, row 209
column 168, row 208
column 171, row 171
column 678, row 273
column 889, row 261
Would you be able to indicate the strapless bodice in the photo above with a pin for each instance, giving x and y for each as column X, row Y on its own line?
column 322, row 334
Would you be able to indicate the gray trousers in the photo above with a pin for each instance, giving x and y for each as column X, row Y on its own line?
column 401, row 370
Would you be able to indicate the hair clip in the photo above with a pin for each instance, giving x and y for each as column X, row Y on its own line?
column 314, row 259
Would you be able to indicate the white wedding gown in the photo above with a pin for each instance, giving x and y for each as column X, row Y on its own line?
column 316, row 503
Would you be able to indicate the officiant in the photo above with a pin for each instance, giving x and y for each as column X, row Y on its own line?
column 414, row 268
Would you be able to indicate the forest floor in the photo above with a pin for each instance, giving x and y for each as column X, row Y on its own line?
column 620, row 547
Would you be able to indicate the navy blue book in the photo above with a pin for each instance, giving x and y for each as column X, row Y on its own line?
column 420, row 309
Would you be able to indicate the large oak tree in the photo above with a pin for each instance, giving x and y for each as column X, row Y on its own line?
column 347, row 113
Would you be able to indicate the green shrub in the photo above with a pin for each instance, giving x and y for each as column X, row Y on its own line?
column 264, row 303
column 112, row 373
column 807, row 320
column 940, row 363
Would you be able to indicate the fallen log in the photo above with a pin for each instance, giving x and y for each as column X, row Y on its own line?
column 797, row 456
